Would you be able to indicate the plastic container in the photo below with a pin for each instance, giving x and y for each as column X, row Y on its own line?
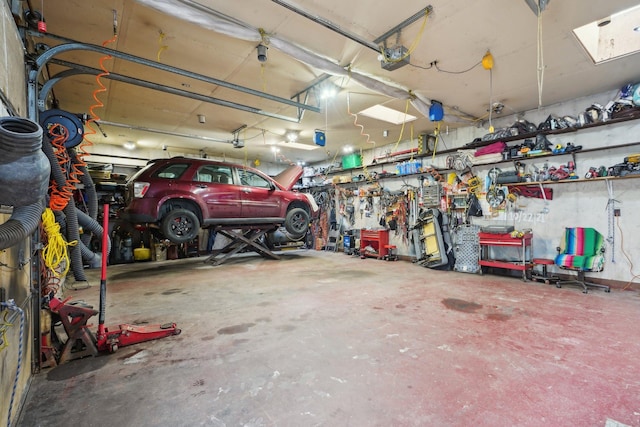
column 351, row 161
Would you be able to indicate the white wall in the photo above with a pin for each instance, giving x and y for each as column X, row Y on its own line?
column 573, row 204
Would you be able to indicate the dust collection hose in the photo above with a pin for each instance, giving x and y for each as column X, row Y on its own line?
column 90, row 224
column 24, row 178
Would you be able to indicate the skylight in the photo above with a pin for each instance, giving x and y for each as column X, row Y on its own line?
column 387, row 114
column 611, row 37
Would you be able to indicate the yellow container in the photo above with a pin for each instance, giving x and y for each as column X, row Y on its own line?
column 142, row 254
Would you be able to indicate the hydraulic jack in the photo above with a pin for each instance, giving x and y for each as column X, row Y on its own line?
column 80, row 342
column 110, row 338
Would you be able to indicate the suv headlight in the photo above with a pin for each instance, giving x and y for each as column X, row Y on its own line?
column 140, row 189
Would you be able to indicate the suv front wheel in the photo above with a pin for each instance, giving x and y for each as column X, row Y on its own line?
column 180, row 225
column 297, row 222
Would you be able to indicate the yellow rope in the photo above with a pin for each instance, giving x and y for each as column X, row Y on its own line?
column 55, row 251
column 161, row 47
column 404, row 121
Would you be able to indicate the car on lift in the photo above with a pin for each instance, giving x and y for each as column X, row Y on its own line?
column 181, row 195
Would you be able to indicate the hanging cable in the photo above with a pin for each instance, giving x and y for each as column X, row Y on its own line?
column 629, row 260
column 435, row 64
column 11, row 305
column 436, row 133
column 404, row 121
column 540, row 59
column 161, row 47
column 611, row 208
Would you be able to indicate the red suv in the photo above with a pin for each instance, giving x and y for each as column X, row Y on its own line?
column 182, row 194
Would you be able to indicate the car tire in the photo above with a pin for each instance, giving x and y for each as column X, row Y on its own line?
column 297, row 222
column 180, row 225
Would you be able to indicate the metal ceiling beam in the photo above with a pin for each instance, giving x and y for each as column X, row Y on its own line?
column 69, row 46
column 410, row 20
column 328, row 24
column 76, row 69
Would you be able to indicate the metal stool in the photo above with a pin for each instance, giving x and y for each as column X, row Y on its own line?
column 544, row 277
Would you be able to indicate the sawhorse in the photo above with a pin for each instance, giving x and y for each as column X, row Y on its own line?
column 242, row 237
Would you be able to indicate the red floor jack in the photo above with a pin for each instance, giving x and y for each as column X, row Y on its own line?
column 74, row 317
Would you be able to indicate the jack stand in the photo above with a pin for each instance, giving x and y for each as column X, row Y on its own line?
column 74, row 317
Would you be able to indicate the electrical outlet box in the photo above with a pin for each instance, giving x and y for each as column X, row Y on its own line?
column 395, row 57
column 616, row 212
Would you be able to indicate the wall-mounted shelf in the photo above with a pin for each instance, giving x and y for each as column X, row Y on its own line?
column 572, row 181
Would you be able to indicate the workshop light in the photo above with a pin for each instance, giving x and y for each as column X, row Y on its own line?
column 129, row 145
column 347, row 149
column 292, row 136
column 487, row 61
column 262, row 53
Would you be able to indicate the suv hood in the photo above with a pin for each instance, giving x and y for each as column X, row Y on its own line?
column 288, row 177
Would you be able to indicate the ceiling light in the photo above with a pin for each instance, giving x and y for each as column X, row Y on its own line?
column 262, row 53
column 387, row 114
column 328, row 91
column 292, row 136
column 129, row 145
column 296, row 145
column 347, row 149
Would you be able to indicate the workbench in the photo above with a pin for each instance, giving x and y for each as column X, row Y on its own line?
column 522, row 244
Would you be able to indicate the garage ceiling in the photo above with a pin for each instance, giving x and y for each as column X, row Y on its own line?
column 218, row 39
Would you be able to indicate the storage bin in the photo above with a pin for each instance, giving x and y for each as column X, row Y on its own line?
column 351, row 161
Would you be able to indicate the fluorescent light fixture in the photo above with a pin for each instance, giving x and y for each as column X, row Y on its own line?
column 347, row 149
column 387, row 114
column 129, row 145
column 296, row 145
column 611, row 37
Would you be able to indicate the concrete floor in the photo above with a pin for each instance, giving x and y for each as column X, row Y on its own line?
column 325, row 339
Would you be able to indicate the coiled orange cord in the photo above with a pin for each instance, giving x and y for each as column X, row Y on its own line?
column 86, row 142
column 60, row 195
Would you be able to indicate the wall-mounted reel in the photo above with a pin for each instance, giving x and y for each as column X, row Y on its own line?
column 71, row 123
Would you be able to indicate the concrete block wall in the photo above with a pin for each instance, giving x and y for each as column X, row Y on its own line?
column 15, row 278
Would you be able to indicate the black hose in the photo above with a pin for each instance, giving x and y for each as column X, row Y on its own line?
column 89, row 185
column 22, row 223
column 56, row 170
column 90, row 224
column 73, row 233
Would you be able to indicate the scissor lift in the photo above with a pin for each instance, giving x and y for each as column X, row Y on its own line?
column 243, row 237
